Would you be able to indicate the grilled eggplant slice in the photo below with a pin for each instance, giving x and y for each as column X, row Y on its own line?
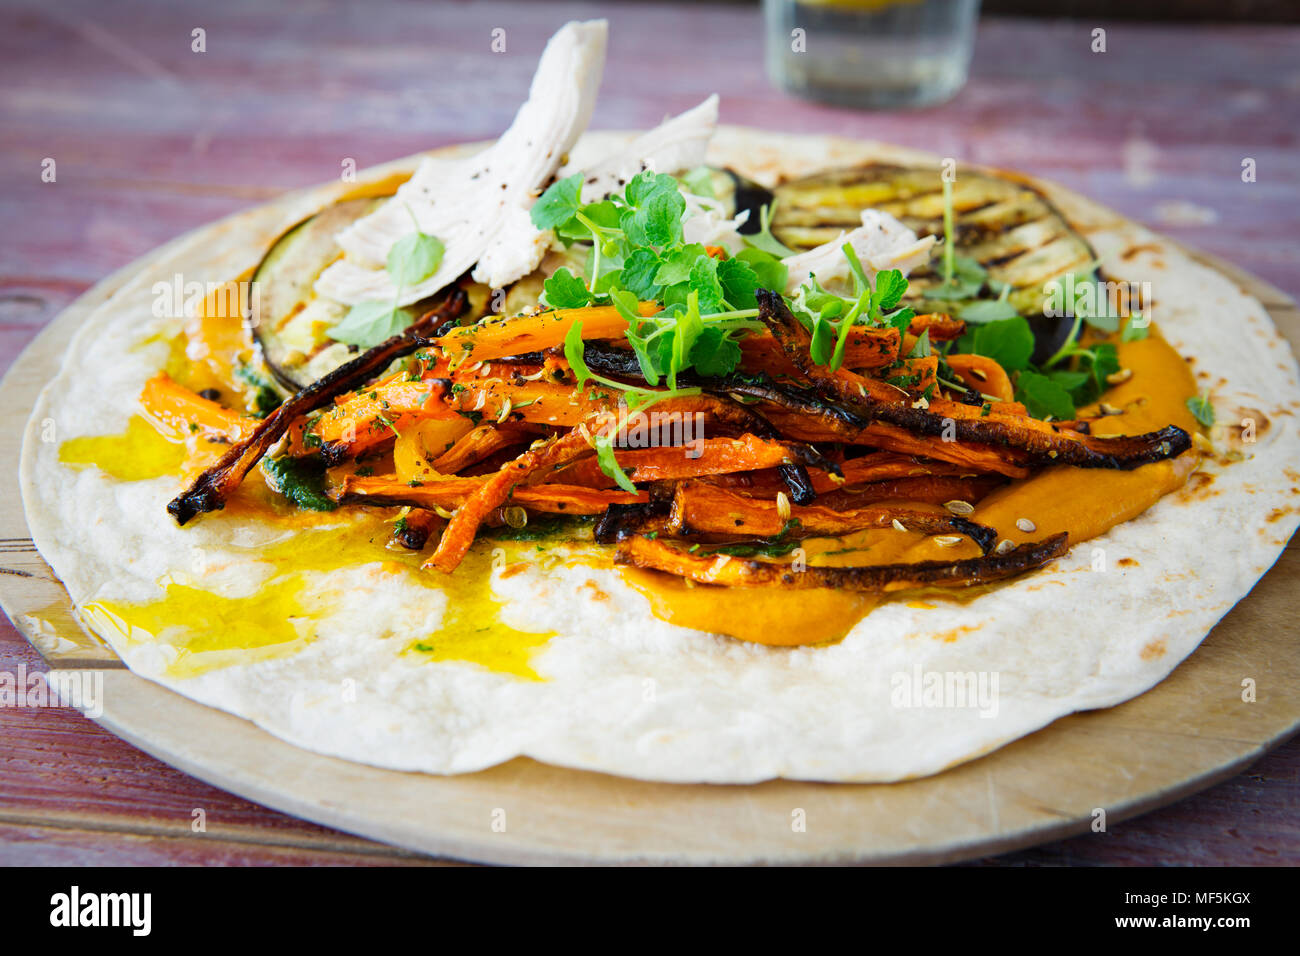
column 289, row 322
column 1007, row 226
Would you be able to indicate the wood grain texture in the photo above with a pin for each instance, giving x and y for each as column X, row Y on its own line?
column 151, row 140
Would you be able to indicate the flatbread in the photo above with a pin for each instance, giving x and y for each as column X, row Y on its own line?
column 626, row 693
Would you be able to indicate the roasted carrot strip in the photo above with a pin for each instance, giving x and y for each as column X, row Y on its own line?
column 866, row 348
column 367, row 418
column 915, row 374
column 984, row 375
column 942, row 328
column 931, row 489
column 699, row 508
column 450, row 493
column 178, row 412
column 868, row 471
column 546, row 403
column 707, row 456
column 479, row 443
column 494, row 492
column 496, row 337
column 744, row 573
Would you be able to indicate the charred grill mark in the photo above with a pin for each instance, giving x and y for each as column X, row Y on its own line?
column 211, row 489
column 742, row 572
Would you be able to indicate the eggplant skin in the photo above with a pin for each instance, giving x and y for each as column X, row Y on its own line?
column 749, row 195
column 285, row 277
column 655, row 555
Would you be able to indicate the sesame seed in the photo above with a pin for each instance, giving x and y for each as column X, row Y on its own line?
column 783, row 505
column 959, row 507
column 1120, row 377
column 947, row 540
column 1004, row 546
column 1025, row 525
column 898, row 525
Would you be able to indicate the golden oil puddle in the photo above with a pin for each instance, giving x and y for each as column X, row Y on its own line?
column 472, row 629
column 137, row 454
column 210, row 630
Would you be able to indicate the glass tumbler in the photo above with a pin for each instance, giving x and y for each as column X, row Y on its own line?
column 875, row 54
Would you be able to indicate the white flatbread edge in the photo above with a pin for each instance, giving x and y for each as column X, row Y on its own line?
column 627, row 694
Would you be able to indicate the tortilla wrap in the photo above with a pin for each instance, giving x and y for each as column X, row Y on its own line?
column 620, row 690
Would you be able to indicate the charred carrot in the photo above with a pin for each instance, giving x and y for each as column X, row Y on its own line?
column 984, row 375
column 178, row 412
column 496, row 337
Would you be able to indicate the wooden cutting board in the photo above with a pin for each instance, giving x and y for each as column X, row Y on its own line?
column 1189, row 732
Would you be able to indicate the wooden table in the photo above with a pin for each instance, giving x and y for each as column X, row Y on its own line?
column 151, row 139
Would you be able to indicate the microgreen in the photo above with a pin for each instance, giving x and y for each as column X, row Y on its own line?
column 413, row 258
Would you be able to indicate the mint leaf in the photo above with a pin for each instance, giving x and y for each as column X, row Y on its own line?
column 414, row 258
column 639, row 271
column 770, row 271
column 1201, row 409
column 890, row 286
column 558, row 204
column 369, row 323
column 676, row 265
column 646, row 184
column 604, row 214
column 564, row 290
column 821, row 348
column 968, row 279
column 987, row 310
column 739, row 283
column 658, row 222
column 1105, row 362
column 764, row 240
column 609, row 464
column 1069, row 380
column 1043, row 397
column 1009, row 342
column 714, row 353
column 705, row 284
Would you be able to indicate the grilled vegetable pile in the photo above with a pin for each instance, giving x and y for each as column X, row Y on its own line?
column 707, row 417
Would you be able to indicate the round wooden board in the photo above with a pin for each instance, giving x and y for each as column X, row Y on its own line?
column 1187, row 733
